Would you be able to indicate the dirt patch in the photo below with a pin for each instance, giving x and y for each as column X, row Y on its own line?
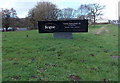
column 74, row 78
column 101, row 30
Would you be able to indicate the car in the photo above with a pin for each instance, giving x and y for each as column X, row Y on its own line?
column 10, row 29
column 2, row 29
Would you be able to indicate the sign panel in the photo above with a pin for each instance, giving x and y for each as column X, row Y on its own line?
column 63, row 26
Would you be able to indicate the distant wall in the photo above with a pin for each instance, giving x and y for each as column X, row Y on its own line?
column 107, row 22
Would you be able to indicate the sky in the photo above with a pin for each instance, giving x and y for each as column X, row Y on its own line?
column 23, row 6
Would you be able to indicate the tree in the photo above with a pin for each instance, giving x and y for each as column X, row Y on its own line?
column 8, row 18
column 67, row 13
column 31, row 18
column 90, row 11
column 42, row 11
column 83, row 12
column 95, row 10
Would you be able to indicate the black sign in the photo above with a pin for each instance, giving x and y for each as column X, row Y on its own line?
column 63, row 26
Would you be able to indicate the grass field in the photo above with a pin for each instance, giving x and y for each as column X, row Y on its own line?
column 40, row 57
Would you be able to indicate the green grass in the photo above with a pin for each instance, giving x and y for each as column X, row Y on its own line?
column 0, row 57
column 40, row 57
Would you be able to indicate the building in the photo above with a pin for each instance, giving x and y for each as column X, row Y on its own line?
column 102, row 21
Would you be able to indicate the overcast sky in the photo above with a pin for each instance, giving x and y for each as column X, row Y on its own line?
column 23, row 6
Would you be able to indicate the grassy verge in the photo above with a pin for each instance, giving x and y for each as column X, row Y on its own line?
column 40, row 57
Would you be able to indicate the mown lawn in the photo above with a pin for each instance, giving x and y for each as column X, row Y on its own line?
column 40, row 57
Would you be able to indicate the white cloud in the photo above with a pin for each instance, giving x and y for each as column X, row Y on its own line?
column 5, row 4
column 111, row 10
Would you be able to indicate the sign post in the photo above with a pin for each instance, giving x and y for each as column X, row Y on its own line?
column 62, row 35
column 63, row 29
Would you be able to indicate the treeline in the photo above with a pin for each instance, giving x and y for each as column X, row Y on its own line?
column 47, row 11
column 10, row 19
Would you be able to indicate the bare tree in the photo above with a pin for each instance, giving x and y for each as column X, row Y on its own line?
column 67, row 13
column 95, row 10
column 83, row 12
column 90, row 11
